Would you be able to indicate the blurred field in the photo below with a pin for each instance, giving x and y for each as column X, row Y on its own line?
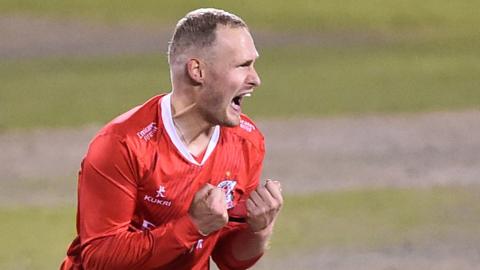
column 305, row 14
column 38, row 237
column 296, row 82
column 420, row 56
column 318, row 59
column 35, row 237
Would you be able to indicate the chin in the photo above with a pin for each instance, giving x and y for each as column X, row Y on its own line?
column 226, row 119
column 231, row 121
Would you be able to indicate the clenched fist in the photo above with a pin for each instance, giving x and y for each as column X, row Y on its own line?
column 209, row 209
column 264, row 205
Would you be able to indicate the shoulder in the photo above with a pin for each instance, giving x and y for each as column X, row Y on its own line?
column 248, row 131
column 138, row 124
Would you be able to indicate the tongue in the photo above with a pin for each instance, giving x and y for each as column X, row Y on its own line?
column 236, row 106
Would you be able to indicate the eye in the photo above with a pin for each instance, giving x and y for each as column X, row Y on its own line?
column 246, row 64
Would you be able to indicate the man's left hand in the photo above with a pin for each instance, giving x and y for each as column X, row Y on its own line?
column 264, row 205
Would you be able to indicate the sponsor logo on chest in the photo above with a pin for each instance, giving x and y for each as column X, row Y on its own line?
column 148, row 132
column 159, row 197
column 227, row 185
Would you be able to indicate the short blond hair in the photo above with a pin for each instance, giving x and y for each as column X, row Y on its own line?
column 197, row 30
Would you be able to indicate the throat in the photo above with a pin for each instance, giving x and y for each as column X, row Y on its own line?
column 200, row 156
column 198, row 147
column 196, row 143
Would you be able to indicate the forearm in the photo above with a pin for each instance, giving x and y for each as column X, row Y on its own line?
column 124, row 250
column 141, row 250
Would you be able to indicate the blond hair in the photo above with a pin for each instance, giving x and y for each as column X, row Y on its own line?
column 197, row 30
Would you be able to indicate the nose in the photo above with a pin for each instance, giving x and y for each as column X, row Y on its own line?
column 254, row 79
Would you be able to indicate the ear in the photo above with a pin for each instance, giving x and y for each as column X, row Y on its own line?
column 195, row 70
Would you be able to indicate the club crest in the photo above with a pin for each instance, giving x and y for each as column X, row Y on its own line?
column 227, row 186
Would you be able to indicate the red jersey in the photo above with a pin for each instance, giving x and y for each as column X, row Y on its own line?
column 137, row 182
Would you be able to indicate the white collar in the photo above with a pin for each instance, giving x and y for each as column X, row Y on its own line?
column 172, row 133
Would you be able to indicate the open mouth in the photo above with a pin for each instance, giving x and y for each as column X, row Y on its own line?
column 237, row 101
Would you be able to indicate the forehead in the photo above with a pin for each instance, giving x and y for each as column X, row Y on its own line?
column 237, row 42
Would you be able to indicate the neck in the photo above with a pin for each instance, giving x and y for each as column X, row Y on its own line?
column 194, row 131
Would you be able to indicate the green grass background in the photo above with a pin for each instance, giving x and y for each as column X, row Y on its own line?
column 37, row 237
column 296, row 83
column 383, row 15
column 425, row 56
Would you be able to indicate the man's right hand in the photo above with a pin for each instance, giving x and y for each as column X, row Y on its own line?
column 209, row 209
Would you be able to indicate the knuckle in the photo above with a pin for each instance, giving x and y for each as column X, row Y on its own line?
column 269, row 184
column 272, row 203
column 275, row 204
column 256, row 212
column 216, row 192
column 220, row 210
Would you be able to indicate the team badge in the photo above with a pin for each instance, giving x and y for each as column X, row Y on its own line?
column 227, row 186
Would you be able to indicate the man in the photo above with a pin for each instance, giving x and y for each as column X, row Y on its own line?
column 175, row 181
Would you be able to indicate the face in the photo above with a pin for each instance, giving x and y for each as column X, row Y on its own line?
column 230, row 76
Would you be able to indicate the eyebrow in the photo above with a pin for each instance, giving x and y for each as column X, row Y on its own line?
column 248, row 62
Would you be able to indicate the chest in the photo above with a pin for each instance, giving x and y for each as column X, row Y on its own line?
column 168, row 187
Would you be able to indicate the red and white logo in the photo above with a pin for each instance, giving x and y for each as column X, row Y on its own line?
column 228, row 186
column 247, row 126
column 161, row 192
column 159, row 198
column 148, row 132
column 147, row 225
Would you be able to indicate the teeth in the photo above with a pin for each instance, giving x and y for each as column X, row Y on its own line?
column 237, row 100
